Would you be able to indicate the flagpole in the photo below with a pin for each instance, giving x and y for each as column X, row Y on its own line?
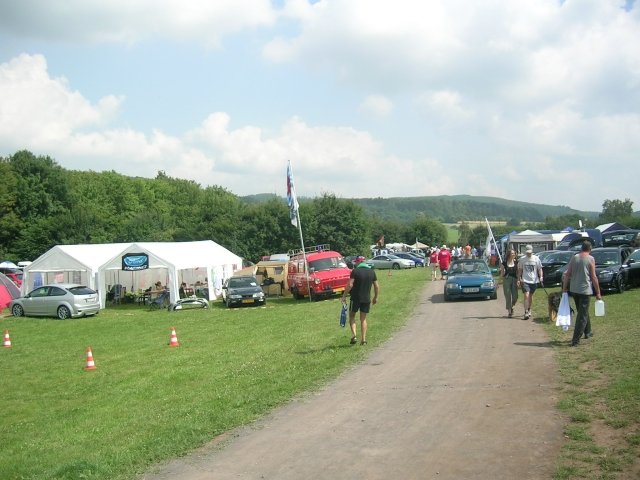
column 294, row 210
column 494, row 240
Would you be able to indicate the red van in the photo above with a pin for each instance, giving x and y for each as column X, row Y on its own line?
column 317, row 272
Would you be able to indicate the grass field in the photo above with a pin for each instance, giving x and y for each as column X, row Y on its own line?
column 601, row 392
column 147, row 402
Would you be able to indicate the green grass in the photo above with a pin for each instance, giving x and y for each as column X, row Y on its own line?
column 147, row 402
column 600, row 392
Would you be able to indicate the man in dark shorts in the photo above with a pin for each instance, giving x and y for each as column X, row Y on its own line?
column 363, row 277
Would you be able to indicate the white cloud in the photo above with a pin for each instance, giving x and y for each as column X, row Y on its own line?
column 376, row 105
column 35, row 108
column 57, row 121
column 503, row 90
column 123, row 21
column 446, row 104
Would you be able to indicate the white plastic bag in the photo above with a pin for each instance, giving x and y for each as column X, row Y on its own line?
column 564, row 312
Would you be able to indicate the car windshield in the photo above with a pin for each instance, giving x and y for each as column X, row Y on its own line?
column 327, row 263
column 605, row 258
column 469, row 267
column 635, row 255
column 240, row 282
column 82, row 291
column 559, row 257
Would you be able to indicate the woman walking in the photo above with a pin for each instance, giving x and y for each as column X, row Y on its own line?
column 508, row 271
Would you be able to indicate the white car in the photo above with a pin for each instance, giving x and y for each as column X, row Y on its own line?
column 390, row 261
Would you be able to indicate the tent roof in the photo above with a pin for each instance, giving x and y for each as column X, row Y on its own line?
column 607, row 227
column 181, row 255
column 74, row 257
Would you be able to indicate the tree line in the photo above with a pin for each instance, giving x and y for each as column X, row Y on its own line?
column 43, row 204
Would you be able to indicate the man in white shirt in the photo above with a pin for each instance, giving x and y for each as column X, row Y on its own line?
column 529, row 276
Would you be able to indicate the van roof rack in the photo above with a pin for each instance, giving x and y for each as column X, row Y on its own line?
column 316, row 248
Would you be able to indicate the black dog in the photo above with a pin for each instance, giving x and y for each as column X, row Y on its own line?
column 553, row 300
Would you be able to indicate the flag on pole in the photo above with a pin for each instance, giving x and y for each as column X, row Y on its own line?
column 491, row 238
column 292, row 201
column 487, row 248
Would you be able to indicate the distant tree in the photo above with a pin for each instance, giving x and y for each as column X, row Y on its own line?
column 464, row 233
column 426, row 230
column 266, row 229
column 9, row 221
column 392, row 230
column 616, row 210
column 558, row 223
column 338, row 222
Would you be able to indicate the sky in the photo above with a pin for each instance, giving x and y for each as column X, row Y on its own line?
column 529, row 100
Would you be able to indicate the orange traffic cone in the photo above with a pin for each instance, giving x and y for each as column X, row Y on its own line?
column 7, row 340
column 173, row 341
column 90, row 363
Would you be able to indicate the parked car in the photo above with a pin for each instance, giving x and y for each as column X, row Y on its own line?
column 628, row 237
column 58, row 300
column 544, row 254
column 470, row 278
column 390, row 261
column 611, row 267
column 632, row 264
column 244, row 290
column 419, row 261
column 552, row 266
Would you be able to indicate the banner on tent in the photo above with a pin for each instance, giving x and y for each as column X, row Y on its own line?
column 135, row 261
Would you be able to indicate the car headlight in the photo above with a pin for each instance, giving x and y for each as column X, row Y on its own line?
column 316, row 281
column 452, row 286
column 489, row 284
column 235, row 296
column 258, row 295
column 606, row 274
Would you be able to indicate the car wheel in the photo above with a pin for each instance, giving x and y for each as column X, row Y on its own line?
column 296, row 294
column 63, row 312
column 17, row 311
column 447, row 298
column 396, row 266
column 621, row 284
column 494, row 295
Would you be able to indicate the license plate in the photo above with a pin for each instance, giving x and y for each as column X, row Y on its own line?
column 471, row 290
column 247, row 301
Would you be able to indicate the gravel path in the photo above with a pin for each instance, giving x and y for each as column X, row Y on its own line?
column 461, row 392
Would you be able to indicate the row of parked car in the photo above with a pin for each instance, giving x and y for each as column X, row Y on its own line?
column 617, row 267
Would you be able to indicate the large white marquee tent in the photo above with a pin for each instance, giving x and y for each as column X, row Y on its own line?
column 100, row 265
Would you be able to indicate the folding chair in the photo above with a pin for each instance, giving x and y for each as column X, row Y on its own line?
column 159, row 301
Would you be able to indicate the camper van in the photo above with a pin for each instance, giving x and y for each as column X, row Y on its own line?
column 316, row 272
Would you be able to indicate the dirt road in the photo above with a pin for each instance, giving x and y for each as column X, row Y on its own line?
column 462, row 392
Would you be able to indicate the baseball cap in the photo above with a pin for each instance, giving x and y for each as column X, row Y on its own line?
column 529, row 249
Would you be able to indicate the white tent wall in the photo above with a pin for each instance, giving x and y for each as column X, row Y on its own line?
column 204, row 261
column 69, row 263
column 100, row 265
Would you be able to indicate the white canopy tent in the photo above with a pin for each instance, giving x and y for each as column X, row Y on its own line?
column 100, row 266
column 69, row 264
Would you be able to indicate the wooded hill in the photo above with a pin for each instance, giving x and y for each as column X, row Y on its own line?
column 454, row 208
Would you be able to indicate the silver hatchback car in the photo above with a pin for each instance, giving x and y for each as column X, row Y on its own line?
column 58, row 300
